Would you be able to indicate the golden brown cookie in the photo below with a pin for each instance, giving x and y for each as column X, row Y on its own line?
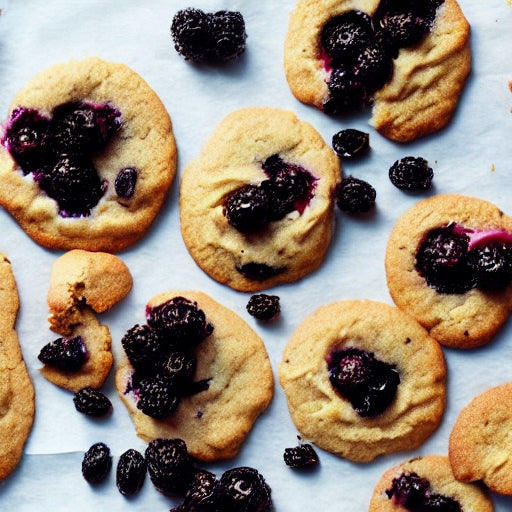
column 479, row 446
column 363, row 379
column 425, row 79
column 232, row 383
column 447, row 299
column 256, row 205
column 87, row 156
column 17, row 403
column 432, row 479
column 82, row 284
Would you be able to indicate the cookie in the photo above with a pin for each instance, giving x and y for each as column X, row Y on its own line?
column 87, row 156
column 17, row 397
column 212, row 404
column 479, row 445
column 256, row 205
column 82, row 284
column 426, row 482
column 342, row 56
column 447, row 266
column 363, row 379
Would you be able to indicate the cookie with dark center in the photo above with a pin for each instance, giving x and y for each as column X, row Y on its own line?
column 352, row 373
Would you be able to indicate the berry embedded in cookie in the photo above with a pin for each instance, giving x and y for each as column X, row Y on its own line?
column 452, row 253
column 256, row 205
column 185, row 374
column 407, row 61
column 77, row 165
column 363, row 379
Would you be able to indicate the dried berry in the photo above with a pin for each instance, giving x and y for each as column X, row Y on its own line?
column 301, row 456
column 411, row 173
column 201, row 495
column 92, row 402
column 264, row 307
column 350, row 143
column 130, row 472
column 125, row 182
column 96, row 463
column 65, row 354
column 354, row 195
column 169, row 466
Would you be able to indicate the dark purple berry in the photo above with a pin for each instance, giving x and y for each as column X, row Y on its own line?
column 350, row 143
column 92, row 402
column 441, row 260
column 346, row 93
column 492, row 265
column 369, row 384
column 264, row 307
column 26, row 138
column 248, row 208
column 259, row 271
column 169, row 466
column 181, row 321
column 201, row 495
column 190, row 32
column 130, row 472
column 228, row 34
column 301, row 456
column 354, row 195
column 179, row 367
column 125, row 182
column 65, row 354
column 157, row 396
column 439, row 503
column 411, row 173
column 96, row 463
column 144, row 346
column 243, row 489
column 373, row 67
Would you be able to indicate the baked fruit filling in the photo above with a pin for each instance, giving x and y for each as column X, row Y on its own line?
column 58, row 151
column 414, row 493
column 455, row 259
column 357, row 50
column 161, row 353
column 369, row 384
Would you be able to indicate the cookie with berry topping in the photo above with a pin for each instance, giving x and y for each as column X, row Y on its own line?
column 406, row 61
column 87, row 156
column 427, row 483
column 17, row 397
column 363, row 379
column 479, row 445
column 196, row 371
column 449, row 265
column 256, row 205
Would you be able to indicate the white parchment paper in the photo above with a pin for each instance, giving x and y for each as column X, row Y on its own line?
column 472, row 156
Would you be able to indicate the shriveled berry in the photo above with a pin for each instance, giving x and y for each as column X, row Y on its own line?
column 92, row 402
column 144, row 346
column 301, row 456
column 169, row 466
column 354, row 195
column 263, row 306
column 243, row 489
column 350, row 142
column 228, row 34
column 411, row 173
column 130, row 472
column 158, row 396
column 259, row 271
column 181, row 321
column 96, row 463
column 201, row 495
column 125, row 182
column 65, row 354
column 492, row 265
column 248, row 208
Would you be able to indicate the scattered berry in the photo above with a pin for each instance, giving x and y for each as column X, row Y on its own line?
column 202, row 492
column 65, row 354
column 169, row 466
column 125, row 182
column 369, row 384
column 411, row 173
column 130, row 472
column 264, row 307
column 354, row 195
column 96, row 463
column 350, row 143
column 228, row 34
column 301, row 456
column 92, row 402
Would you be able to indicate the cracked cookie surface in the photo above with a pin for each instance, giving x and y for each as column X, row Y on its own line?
column 325, row 417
